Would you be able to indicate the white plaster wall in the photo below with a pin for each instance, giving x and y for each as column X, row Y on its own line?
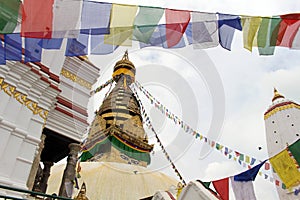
column 281, row 128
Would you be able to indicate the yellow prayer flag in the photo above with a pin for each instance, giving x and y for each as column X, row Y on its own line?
column 121, row 25
column 286, row 169
column 250, row 28
column 247, row 159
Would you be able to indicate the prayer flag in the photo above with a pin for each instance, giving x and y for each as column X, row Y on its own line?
column 121, row 25
column 227, row 25
column 250, row 174
column 95, row 18
column 250, row 28
column 13, row 46
column 264, row 36
column 295, row 150
column 242, row 189
column 77, row 47
column 33, row 50
column 204, row 30
column 66, row 18
column 176, row 23
column 286, row 169
column 145, row 23
column 9, row 10
column 37, row 18
column 2, row 55
column 99, row 48
column 188, row 33
column 222, row 188
column 296, row 41
column 53, row 43
column 288, row 29
column 158, row 38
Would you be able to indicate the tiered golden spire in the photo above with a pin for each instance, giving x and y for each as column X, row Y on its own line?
column 277, row 95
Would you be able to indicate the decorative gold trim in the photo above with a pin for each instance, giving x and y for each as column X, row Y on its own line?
column 22, row 98
column 73, row 77
column 280, row 108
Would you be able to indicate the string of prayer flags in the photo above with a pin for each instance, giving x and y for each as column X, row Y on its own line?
column 149, row 125
column 9, row 12
column 98, row 89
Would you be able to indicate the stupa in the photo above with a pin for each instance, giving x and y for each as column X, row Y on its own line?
column 282, row 129
column 115, row 157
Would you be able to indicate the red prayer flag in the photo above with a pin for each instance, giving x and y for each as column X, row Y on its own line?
column 267, row 166
column 176, row 23
column 288, row 29
column 37, row 18
column 222, row 188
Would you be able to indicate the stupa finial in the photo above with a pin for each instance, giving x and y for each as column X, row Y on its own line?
column 277, row 95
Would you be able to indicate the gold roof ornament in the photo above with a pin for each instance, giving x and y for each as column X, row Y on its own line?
column 277, row 95
column 82, row 193
column 125, row 67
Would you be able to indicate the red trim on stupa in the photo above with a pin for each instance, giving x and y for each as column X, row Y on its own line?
column 279, row 105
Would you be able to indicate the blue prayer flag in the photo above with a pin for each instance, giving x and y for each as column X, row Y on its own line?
column 227, row 25
column 33, row 50
column 2, row 55
column 13, row 46
column 77, row 47
column 99, row 48
column 250, row 174
column 95, row 18
column 53, row 43
column 189, row 33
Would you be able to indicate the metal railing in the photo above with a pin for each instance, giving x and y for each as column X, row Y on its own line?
column 33, row 194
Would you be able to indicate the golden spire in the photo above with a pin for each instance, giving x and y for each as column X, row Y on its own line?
column 125, row 67
column 277, row 95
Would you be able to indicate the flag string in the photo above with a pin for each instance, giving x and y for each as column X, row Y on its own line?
column 244, row 160
column 150, row 126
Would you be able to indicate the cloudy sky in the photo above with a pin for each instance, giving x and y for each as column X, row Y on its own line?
column 222, row 94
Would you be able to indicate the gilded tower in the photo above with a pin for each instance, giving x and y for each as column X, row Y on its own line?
column 117, row 133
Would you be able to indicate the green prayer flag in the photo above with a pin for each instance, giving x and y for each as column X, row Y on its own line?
column 206, row 184
column 9, row 11
column 264, row 36
column 295, row 150
column 275, row 25
column 145, row 23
